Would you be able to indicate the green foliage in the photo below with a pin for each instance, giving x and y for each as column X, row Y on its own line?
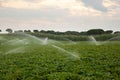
column 117, row 32
column 43, row 62
column 108, row 32
column 83, row 33
column 9, row 30
column 95, row 32
column 18, row 31
column 35, row 31
column 106, row 37
column 102, row 37
column 28, row 31
column 72, row 33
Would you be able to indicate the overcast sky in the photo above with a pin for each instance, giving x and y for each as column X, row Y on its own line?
column 60, row 15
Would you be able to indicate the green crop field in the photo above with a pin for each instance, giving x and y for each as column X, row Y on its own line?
column 28, row 58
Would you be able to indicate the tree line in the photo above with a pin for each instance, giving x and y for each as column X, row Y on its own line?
column 89, row 32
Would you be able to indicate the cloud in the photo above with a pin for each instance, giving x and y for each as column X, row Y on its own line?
column 35, row 4
column 83, row 8
column 61, row 14
column 74, row 7
column 52, row 14
column 22, row 4
column 0, row 3
column 96, row 4
column 33, row 0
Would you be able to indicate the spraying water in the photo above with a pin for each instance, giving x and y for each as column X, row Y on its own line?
column 117, row 38
column 16, row 42
column 1, row 38
column 63, row 50
column 56, row 42
column 71, row 42
column 21, row 42
column 91, row 38
column 38, row 40
column 45, row 41
column 10, row 41
column 16, row 50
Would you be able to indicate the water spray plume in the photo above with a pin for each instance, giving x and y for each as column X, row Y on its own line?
column 117, row 38
column 63, row 50
column 91, row 38
column 17, row 42
column 51, row 41
column 38, row 40
column 71, row 42
column 45, row 42
column 16, row 50
column 1, row 38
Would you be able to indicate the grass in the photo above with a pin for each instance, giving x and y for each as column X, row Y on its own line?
column 44, row 62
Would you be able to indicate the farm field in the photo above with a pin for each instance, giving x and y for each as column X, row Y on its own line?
column 31, row 58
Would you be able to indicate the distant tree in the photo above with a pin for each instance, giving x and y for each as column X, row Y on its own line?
column 27, row 30
column 50, row 32
column 117, row 32
column 0, row 30
column 109, row 32
column 43, row 31
column 9, row 30
column 59, row 33
column 95, row 31
column 83, row 33
column 35, row 31
column 72, row 33
column 18, row 31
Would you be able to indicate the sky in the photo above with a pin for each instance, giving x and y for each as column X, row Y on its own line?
column 60, row 15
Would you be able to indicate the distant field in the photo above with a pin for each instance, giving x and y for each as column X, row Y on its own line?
column 30, row 58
